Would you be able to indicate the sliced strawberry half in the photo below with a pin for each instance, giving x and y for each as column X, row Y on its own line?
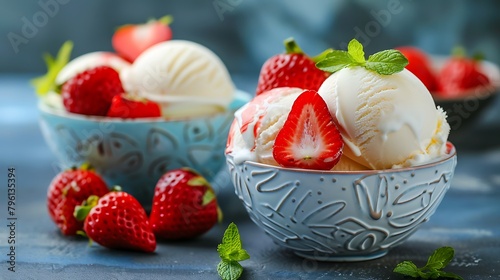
column 128, row 107
column 309, row 138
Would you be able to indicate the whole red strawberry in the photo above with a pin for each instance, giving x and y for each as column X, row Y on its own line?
column 291, row 69
column 184, row 205
column 126, row 107
column 69, row 189
column 419, row 65
column 309, row 137
column 117, row 221
column 460, row 74
column 130, row 40
column 91, row 92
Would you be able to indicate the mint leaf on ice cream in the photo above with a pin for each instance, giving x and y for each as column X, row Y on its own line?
column 385, row 62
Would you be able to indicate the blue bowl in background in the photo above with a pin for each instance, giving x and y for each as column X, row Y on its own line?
column 135, row 153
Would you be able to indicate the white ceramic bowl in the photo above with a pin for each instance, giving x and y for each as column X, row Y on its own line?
column 341, row 216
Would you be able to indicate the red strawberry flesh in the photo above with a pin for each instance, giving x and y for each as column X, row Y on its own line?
column 123, row 107
column 309, row 138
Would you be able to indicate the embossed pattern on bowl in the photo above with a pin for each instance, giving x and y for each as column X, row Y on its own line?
column 135, row 153
column 341, row 216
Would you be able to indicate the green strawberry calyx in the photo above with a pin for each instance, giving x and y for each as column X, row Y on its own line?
column 82, row 211
column 460, row 52
column 291, row 47
column 165, row 20
column 208, row 197
column 198, row 181
column 47, row 82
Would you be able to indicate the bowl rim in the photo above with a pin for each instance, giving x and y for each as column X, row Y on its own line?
column 452, row 153
column 46, row 109
column 240, row 97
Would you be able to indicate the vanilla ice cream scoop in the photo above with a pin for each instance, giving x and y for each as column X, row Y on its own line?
column 386, row 121
column 185, row 77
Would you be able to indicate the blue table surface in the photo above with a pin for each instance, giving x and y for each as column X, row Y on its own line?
column 468, row 218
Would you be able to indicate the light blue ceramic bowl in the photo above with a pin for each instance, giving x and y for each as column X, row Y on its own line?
column 135, row 153
column 341, row 216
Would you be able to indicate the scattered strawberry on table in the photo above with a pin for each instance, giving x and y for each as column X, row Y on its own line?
column 184, row 205
column 309, row 137
column 131, row 40
column 117, row 221
column 291, row 69
column 69, row 189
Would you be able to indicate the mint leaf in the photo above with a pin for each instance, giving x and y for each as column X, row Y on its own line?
column 450, row 275
column 231, row 248
column 46, row 83
column 440, row 258
column 229, row 270
column 432, row 270
column 355, row 49
column 387, row 62
column 231, row 252
column 335, row 61
column 407, row 268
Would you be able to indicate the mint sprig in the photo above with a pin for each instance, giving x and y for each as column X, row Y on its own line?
column 385, row 62
column 46, row 83
column 439, row 259
column 231, row 253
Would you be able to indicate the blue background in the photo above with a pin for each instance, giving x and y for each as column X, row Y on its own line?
column 244, row 33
